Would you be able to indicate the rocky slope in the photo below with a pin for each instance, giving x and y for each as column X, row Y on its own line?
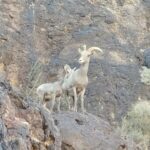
column 28, row 126
column 50, row 31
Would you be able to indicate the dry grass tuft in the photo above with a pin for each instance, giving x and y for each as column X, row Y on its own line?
column 145, row 75
column 136, row 125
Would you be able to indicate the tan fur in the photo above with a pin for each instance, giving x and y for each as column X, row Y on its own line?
column 78, row 78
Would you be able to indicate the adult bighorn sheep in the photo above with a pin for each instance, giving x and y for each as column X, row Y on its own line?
column 78, row 79
column 54, row 90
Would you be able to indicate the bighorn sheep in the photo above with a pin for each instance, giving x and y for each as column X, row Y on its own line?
column 78, row 79
column 54, row 90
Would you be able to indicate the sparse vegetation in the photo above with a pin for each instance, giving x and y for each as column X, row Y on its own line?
column 136, row 125
column 33, row 79
column 145, row 75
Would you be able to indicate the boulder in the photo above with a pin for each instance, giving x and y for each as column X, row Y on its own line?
column 147, row 58
column 86, row 132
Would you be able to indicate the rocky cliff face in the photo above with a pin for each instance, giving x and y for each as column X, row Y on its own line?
column 50, row 31
column 28, row 126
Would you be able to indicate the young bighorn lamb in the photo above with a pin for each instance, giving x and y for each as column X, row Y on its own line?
column 53, row 90
column 50, row 91
column 78, row 80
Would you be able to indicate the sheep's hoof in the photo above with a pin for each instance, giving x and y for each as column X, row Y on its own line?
column 74, row 109
column 71, row 109
column 83, row 111
column 58, row 111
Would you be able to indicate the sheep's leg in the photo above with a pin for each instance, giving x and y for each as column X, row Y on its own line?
column 82, row 100
column 75, row 99
column 58, row 105
column 68, row 102
column 53, row 102
column 71, row 98
column 67, row 98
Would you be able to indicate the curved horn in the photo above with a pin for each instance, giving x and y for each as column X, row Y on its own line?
column 95, row 48
column 79, row 50
column 67, row 68
column 84, row 47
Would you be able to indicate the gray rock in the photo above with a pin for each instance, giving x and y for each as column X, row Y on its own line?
column 110, row 18
column 36, row 128
column 86, row 131
column 3, row 130
column 51, row 31
column 147, row 58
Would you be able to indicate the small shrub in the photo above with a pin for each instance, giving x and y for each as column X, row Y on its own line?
column 33, row 79
column 136, row 125
column 145, row 75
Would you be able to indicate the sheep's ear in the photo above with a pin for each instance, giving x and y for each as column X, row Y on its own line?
column 84, row 47
column 67, row 68
column 79, row 50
